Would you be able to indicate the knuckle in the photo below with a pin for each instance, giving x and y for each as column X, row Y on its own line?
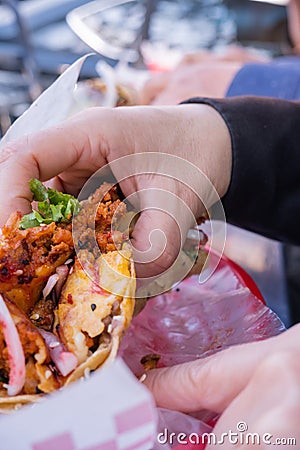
column 13, row 149
column 281, row 369
column 204, row 380
column 279, row 361
column 7, row 153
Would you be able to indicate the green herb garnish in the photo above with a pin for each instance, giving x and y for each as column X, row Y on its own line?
column 53, row 206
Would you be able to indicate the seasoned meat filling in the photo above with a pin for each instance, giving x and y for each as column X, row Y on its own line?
column 29, row 257
column 110, row 209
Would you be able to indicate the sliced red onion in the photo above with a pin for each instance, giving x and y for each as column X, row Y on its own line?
column 117, row 324
column 62, row 272
column 64, row 360
column 52, row 280
column 69, row 261
column 56, row 280
column 15, row 351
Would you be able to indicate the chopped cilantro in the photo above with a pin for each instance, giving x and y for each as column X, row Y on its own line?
column 53, row 206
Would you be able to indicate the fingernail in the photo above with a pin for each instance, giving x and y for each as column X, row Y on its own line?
column 143, row 377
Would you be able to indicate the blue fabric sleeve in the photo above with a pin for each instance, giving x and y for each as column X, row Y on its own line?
column 264, row 192
column 277, row 79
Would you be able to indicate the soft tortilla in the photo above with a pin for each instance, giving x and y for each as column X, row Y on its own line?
column 106, row 353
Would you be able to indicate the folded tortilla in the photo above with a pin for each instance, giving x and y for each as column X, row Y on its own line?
column 90, row 315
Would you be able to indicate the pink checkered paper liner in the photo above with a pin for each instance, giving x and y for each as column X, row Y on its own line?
column 109, row 411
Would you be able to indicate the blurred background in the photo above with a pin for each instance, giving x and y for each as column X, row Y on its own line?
column 40, row 38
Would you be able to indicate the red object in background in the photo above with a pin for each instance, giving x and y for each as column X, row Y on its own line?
column 248, row 282
column 157, row 68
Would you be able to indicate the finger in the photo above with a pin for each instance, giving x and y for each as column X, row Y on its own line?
column 156, row 241
column 54, row 183
column 167, row 213
column 212, row 383
column 14, row 177
column 44, row 155
column 268, row 408
column 59, row 148
column 22, row 162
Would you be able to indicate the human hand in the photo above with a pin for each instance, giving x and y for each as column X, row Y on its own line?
column 198, row 79
column 200, row 74
column 255, row 383
column 72, row 152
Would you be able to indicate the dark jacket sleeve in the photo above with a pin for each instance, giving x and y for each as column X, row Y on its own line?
column 264, row 192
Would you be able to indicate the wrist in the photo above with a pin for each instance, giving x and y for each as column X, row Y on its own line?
column 194, row 132
column 212, row 144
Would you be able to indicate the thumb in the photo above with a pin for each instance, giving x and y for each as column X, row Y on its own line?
column 157, row 242
column 160, row 231
column 210, row 383
column 14, row 186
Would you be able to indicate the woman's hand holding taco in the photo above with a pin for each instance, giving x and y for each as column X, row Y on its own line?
column 69, row 154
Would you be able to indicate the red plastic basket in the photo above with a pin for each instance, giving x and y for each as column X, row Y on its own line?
column 248, row 282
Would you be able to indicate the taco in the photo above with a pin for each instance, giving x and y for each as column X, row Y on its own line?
column 94, row 92
column 58, row 322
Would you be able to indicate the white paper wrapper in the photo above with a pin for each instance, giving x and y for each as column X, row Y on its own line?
column 51, row 107
column 110, row 411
